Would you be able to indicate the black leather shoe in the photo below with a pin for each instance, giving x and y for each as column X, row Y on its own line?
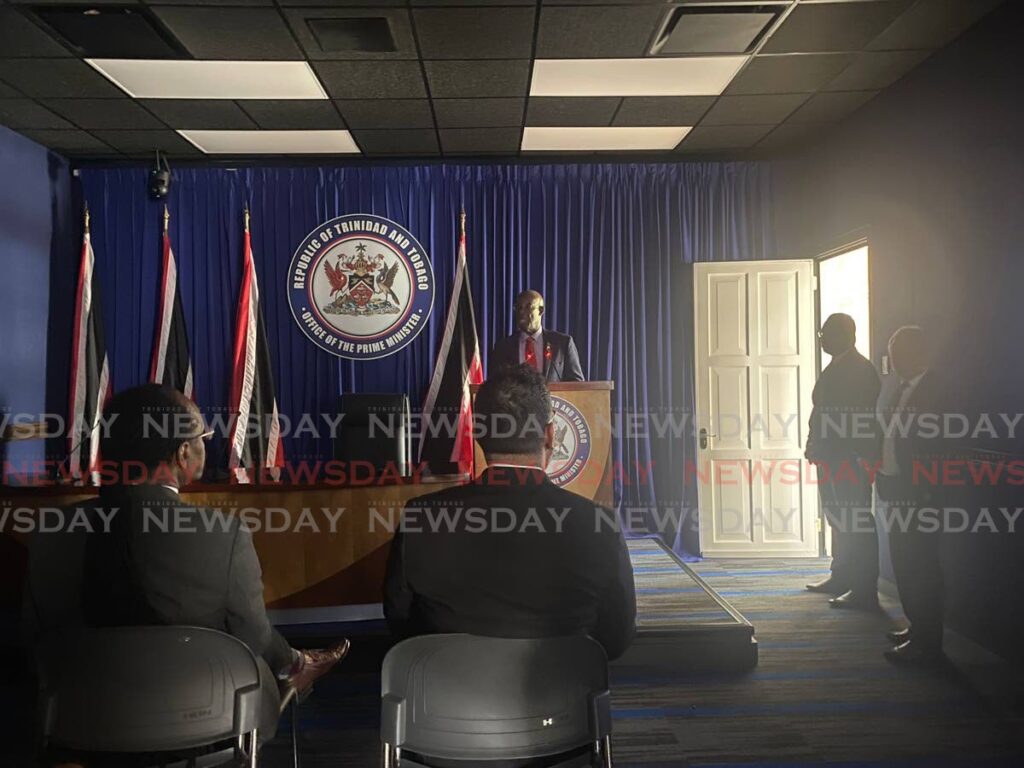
column 914, row 654
column 857, row 601
column 829, row 587
column 899, row 636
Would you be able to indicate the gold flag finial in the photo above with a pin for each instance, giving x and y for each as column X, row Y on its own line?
column 87, row 218
column 247, row 218
column 167, row 218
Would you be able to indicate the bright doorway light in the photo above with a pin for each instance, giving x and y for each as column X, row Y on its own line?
column 843, row 286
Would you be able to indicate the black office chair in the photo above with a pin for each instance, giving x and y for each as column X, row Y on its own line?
column 375, row 429
column 184, row 696
column 465, row 700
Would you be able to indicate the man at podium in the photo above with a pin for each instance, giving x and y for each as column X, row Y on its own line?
column 553, row 354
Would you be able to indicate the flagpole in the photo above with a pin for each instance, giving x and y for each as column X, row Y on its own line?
column 87, row 218
column 167, row 218
column 246, row 216
column 462, row 223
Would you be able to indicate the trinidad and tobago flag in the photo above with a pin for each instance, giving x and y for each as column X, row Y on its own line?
column 90, row 385
column 448, row 403
column 255, row 450
column 171, row 364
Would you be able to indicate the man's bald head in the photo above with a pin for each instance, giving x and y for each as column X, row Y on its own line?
column 529, row 311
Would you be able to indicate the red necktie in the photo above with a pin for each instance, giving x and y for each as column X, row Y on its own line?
column 531, row 352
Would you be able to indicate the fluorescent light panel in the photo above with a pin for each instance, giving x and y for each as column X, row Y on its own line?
column 695, row 76
column 174, row 79
column 272, row 142
column 576, row 139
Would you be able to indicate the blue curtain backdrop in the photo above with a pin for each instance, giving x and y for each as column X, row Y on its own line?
column 608, row 244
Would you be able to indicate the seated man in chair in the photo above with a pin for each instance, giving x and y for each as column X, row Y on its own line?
column 158, row 560
column 511, row 554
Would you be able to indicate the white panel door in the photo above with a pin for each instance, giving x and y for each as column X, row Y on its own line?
column 755, row 342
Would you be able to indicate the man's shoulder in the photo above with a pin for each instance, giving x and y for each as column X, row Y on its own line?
column 557, row 337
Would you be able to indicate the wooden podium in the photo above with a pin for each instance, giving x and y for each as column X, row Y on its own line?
column 583, row 439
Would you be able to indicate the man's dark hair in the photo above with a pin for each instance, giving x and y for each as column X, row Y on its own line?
column 147, row 424
column 513, row 407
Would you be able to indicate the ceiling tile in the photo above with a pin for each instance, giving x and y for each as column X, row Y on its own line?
column 583, row 111
column 148, row 141
column 69, row 141
column 792, row 73
column 571, row 32
column 478, row 113
column 20, row 37
column 704, row 138
column 287, row 114
column 753, row 110
column 74, row 2
column 6, row 92
column 25, row 113
column 393, row 113
column 663, row 110
column 931, row 24
column 826, row 107
column 475, row 33
column 212, row 2
column 230, row 33
column 371, row 79
column 466, row 2
column 57, row 77
column 462, row 141
column 789, row 135
column 200, row 114
column 840, row 26
column 104, row 113
column 398, row 22
column 876, row 70
column 491, row 78
column 394, row 3
column 397, row 142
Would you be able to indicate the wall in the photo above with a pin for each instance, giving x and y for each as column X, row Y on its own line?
column 34, row 205
column 932, row 173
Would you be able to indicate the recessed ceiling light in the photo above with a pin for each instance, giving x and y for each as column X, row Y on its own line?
column 576, row 139
column 272, row 142
column 190, row 79
column 695, row 76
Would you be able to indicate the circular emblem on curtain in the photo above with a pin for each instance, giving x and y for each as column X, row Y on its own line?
column 361, row 286
column 572, row 442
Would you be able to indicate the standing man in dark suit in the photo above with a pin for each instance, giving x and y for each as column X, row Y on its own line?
column 490, row 570
column 553, row 354
column 159, row 560
column 840, row 435
column 907, row 443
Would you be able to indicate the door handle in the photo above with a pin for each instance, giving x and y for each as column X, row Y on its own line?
column 704, row 435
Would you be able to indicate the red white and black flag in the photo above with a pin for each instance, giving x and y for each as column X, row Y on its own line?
column 458, row 366
column 90, row 385
column 171, row 364
column 255, row 449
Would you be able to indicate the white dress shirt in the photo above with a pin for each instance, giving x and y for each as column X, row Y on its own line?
column 890, row 467
column 538, row 346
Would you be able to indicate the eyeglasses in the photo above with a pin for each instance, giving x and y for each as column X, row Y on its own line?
column 204, row 436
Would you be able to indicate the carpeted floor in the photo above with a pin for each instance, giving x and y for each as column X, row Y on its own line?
column 822, row 694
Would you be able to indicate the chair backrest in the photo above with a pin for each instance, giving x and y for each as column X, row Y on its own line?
column 146, row 689
column 463, row 697
column 375, row 429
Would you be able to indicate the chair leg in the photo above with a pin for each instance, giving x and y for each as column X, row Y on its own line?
column 389, row 757
column 253, row 747
column 295, row 733
column 607, row 752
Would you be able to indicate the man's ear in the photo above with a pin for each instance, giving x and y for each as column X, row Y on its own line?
column 181, row 455
column 549, row 436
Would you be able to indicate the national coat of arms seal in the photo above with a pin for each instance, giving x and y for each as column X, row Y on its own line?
column 360, row 286
column 572, row 442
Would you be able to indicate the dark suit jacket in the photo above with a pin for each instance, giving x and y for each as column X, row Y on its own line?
column 142, row 572
column 522, row 583
column 842, row 425
column 918, row 442
column 563, row 364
